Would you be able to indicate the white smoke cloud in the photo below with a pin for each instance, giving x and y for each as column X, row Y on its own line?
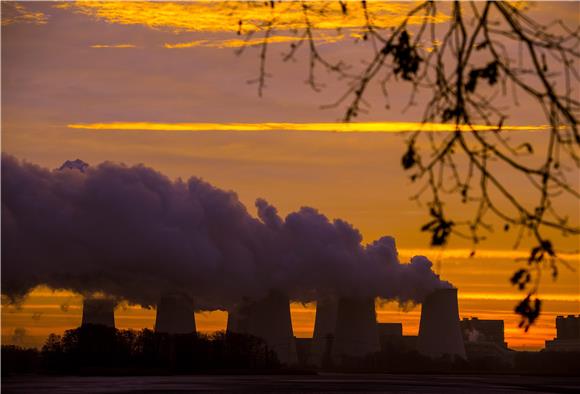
column 134, row 234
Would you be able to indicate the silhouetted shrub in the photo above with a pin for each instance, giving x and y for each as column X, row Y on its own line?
column 98, row 349
column 94, row 349
column 17, row 360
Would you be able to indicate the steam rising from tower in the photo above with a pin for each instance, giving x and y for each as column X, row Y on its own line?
column 132, row 233
column 439, row 331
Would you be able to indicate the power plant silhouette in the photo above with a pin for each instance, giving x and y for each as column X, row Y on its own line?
column 439, row 331
column 344, row 326
column 324, row 329
column 175, row 314
column 356, row 333
column 98, row 311
column 269, row 319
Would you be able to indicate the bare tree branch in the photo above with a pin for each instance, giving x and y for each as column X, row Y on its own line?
column 465, row 67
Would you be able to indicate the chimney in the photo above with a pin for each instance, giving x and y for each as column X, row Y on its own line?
column 356, row 333
column 324, row 326
column 175, row 314
column 269, row 319
column 99, row 311
column 439, row 331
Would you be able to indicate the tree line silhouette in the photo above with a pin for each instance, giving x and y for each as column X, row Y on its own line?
column 102, row 350
column 97, row 349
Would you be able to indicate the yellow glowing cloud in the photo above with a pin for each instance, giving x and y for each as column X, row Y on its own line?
column 479, row 254
column 360, row 127
column 113, row 46
column 236, row 43
column 517, row 297
column 248, row 17
column 13, row 12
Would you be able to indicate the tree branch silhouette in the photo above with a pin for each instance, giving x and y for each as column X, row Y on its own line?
column 464, row 67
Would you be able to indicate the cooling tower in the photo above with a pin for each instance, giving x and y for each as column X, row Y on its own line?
column 269, row 319
column 324, row 326
column 356, row 333
column 439, row 331
column 175, row 315
column 99, row 311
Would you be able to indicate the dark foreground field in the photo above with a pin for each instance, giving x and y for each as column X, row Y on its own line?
column 293, row 384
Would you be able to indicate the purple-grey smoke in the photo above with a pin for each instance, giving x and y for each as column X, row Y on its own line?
column 134, row 234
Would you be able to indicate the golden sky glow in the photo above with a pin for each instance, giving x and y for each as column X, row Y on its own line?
column 45, row 311
column 59, row 86
column 574, row 298
column 221, row 16
column 360, row 127
column 480, row 254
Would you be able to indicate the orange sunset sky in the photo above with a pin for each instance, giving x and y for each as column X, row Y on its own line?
column 162, row 84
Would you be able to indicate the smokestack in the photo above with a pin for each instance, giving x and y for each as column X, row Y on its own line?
column 356, row 332
column 175, row 314
column 324, row 327
column 99, row 311
column 439, row 331
column 269, row 319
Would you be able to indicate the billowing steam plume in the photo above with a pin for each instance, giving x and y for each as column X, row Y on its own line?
column 134, row 234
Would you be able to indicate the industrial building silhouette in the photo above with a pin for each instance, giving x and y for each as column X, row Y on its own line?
column 391, row 338
column 476, row 330
column 323, row 335
column 99, row 311
column 346, row 327
column 175, row 314
column 567, row 334
column 267, row 318
column 439, row 331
